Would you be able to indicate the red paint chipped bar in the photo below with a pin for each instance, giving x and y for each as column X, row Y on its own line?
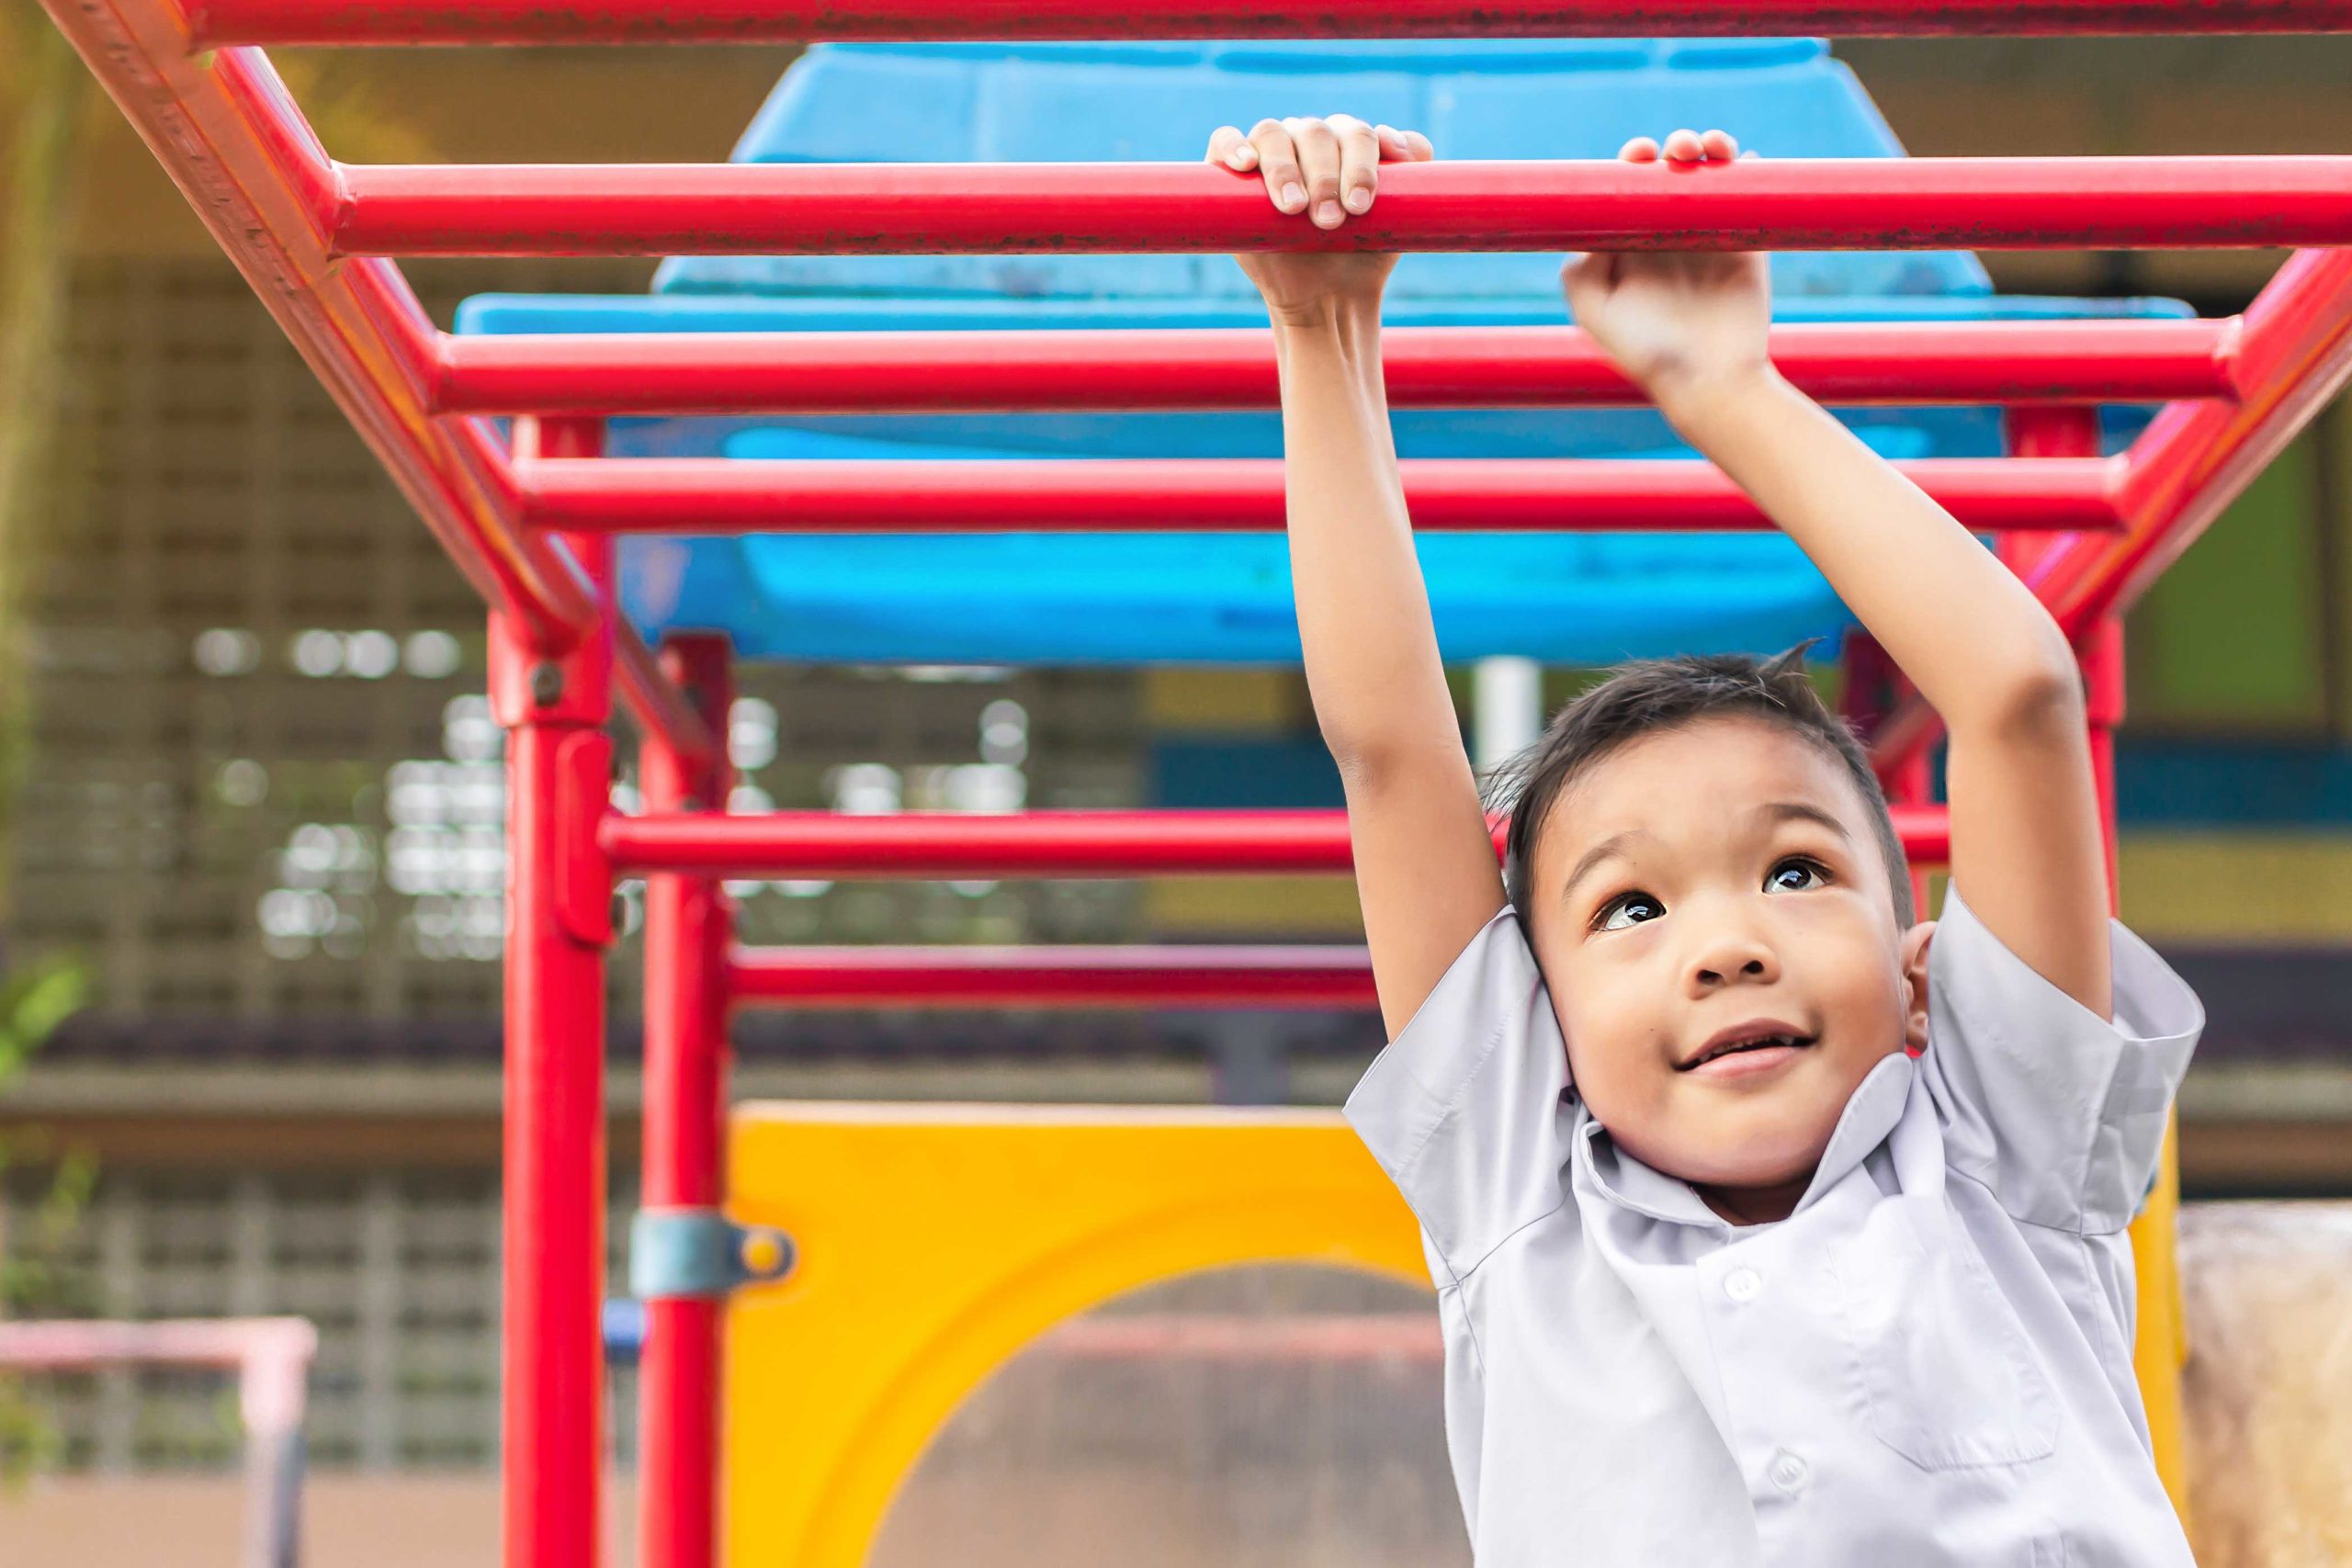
column 724, row 495
column 355, row 22
column 584, row 209
column 1002, row 371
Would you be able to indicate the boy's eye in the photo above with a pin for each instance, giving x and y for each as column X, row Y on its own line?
column 1626, row 911
column 1795, row 876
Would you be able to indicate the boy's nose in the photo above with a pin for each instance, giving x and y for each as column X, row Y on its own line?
column 1733, row 957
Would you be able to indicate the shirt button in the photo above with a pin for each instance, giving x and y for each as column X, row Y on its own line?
column 1789, row 1473
column 1743, row 1284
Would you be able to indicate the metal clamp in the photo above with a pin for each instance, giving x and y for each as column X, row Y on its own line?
column 700, row 1254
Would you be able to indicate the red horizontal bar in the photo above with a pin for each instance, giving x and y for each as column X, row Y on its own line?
column 1052, row 977
column 216, row 22
column 983, row 372
column 948, row 845
column 944, row 845
column 938, row 209
column 720, row 495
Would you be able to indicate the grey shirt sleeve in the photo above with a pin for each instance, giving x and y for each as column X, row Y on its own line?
column 1464, row 1109
column 2059, row 1112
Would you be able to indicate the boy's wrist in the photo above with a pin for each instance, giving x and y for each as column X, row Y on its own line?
column 1693, row 399
column 1330, row 312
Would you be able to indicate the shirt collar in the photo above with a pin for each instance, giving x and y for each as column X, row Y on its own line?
column 1871, row 1114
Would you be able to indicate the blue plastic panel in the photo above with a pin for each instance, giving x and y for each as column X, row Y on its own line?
column 1226, row 598
column 1059, row 103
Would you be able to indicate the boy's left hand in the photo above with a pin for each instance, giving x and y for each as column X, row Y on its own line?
column 1676, row 322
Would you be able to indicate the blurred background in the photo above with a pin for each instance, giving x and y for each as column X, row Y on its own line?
column 251, row 802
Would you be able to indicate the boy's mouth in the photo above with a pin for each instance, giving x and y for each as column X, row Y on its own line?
column 1748, row 1046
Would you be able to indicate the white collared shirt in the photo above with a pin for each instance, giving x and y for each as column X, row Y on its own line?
column 1928, row 1362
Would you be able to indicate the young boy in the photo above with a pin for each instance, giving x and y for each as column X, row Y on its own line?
column 1769, row 1225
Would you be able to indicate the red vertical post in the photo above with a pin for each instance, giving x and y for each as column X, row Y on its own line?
column 1873, row 689
column 2102, row 659
column 558, row 771
column 689, row 929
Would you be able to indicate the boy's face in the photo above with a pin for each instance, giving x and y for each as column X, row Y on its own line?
column 1701, row 888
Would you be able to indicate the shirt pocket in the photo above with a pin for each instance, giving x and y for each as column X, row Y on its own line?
column 1946, row 1372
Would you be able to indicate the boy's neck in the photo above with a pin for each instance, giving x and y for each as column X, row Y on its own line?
column 1754, row 1206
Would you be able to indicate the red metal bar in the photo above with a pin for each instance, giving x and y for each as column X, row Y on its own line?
column 995, row 208
column 974, row 372
column 2102, row 656
column 2044, row 431
column 2294, row 356
column 558, row 771
column 1874, row 681
column 218, row 22
column 689, row 929
column 948, row 845
column 952, row 845
column 689, row 495
column 232, row 138
column 1123, row 977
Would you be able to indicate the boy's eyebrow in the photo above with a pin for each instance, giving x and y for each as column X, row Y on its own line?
column 1609, row 848
column 1613, row 846
column 1801, row 811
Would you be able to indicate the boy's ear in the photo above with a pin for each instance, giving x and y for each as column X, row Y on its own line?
column 1914, row 986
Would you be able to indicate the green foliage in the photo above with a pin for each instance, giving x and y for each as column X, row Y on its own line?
column 32, row 1004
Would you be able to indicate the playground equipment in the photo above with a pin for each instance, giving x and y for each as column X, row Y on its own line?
column 532, row 514
column 271, row 1357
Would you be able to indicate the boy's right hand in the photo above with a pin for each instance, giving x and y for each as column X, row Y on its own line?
column 1326, row 170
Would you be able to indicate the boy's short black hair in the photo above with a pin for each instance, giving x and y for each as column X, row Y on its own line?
column 1653, row 694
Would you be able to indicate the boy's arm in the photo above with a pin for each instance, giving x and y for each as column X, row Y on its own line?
column 2025, row 829
column 1424, row 863
column 2025, row 826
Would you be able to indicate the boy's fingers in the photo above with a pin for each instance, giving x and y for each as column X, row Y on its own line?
column 1413, row 147
column 1318, row 161
column 1640, row 150
column 1230, row 147
column 1684, row 147
column 1719, row 145
column 1278, row 158
column 1359, row 163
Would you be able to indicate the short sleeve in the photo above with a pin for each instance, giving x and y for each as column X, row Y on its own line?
column 1464, row 1109
column 2061, row 1112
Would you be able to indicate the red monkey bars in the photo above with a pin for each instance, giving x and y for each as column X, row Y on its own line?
column 684, row 495
column 1903, row 204
column 979, row 372
column 305, row 229
column 213, row 23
